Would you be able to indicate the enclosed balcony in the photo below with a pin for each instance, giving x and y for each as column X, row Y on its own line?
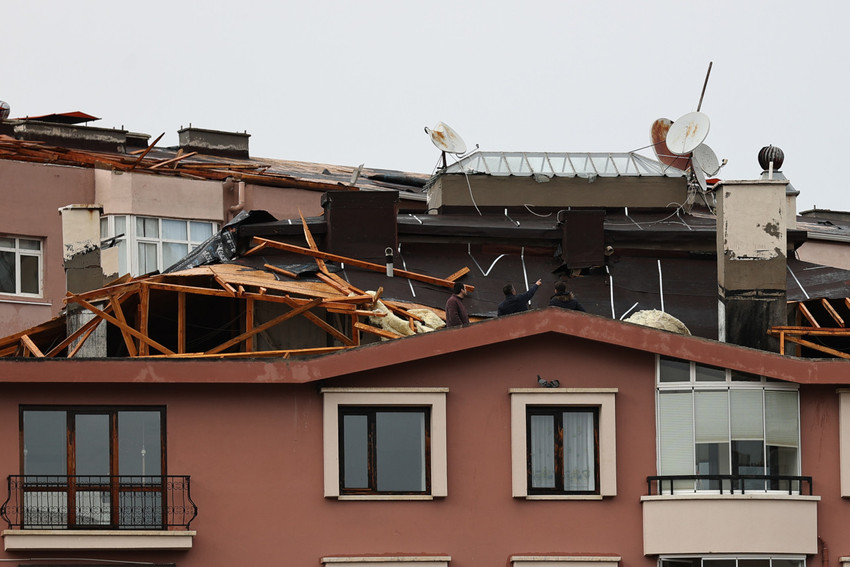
column 98, row 512
column 702, row 514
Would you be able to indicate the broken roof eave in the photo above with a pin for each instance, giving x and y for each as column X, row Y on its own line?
column 445, row 342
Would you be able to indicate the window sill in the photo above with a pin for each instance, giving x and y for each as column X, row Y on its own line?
column 385, row 497
column 716, row 496
column 563, row 497
column 21, row 540
column 26, row 300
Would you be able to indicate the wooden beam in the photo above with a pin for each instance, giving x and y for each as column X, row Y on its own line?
column 807, row 314
column 119, row 314
column 458, row 274
column 249, row 324
column 331, row 330
column 275, row 269
column 377, row 331
column 358, row 263
column 109, row 318
column 145, row 152
column 144, row 306
column 256, row 354
column 30, row 346
column 817, row 347
column 83, row 339
column 832, row 312
column 312, row 244
column 172, row 160
column 181, row 322
column 264, row 326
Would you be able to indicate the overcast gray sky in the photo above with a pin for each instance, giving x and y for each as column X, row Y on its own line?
column 357, row 81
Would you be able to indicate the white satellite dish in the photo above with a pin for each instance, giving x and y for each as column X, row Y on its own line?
column 687, row 133
column 706, row 160
column 446, row 139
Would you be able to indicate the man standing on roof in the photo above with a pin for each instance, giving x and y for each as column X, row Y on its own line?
column 514, row 303
column 564, row 298
column 456, row 315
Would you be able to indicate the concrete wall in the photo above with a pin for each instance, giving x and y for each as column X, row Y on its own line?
column 33, row 194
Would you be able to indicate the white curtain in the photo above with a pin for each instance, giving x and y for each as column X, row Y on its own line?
column 579, row 466
column 542, row 451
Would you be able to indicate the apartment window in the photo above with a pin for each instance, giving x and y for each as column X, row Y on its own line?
column 562, row 450
column 721, row 561
column 563, row 443
column 91, row 467
column 384, row 450
column 713, row 421
column 385, row 443
column 389, row 561
column 148, row 244
column 21, row 266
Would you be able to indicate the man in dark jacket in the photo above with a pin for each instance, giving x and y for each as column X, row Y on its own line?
column 514, row 303
column 456, row 315
column 564, row 298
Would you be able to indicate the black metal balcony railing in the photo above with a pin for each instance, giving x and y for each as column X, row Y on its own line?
column 98, row 502
column 727, row 483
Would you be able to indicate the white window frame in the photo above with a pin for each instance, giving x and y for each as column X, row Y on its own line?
column 131, row 240
column 18, row 251
column 389, row 561
column 565, row 560
column 601, row 398
column 692, row 385
column 435, row 398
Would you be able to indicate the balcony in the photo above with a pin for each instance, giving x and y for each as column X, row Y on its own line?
column 98, row 512
column 702, row 514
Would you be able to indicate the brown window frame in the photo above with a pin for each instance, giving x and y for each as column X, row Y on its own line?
column 557, row 413
column 371, row 413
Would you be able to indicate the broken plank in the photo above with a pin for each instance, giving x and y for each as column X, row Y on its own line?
column 359, row 263
column 172, row 160
column 832, row 312
column 376, row 331
column 30, row 346
column 458, row 274
column 277, row 270
column 807, row 314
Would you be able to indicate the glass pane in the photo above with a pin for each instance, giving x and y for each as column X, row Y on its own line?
column 712, row 459
column 174, row 230
column 676, row 437
column 91, row 438
column 754, row 563
column 710, row 373
column 92, row 508
column 173, row 253
column 747, row 414
column 542, row 449
column 139, row 449
column 45, row 443
column 718, row 563
column 29, row 274
column 579, row 451
column 786, row 563
column 744, row 376
column 147, row 227
column 673, row 370
column 782, row 461
column 400, row 451
column 780, row 418
column 27, row 244
column 6, row 242
column 123, row 267
column 711, row 416
column 120, row 225
column 104, row 227
column 748, row 459
column 200, row 231
column 7, row 272
column 355, row 451
column 147, row 258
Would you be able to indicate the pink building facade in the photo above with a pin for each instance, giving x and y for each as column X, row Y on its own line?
column 545, row 439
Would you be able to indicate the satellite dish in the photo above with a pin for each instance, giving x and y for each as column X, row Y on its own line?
column 687, row 133
column 706, row 160
column 446, row 139
column 658, row 137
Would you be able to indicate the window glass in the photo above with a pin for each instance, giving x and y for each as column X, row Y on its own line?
column 174, row 229
column 673, row 370
column 139, row 449
column 8, row 277
column 27, row 244
column 45, row 443
column 710, row 373
column 562, row 450
column 147, row 257
column 147, row 227
column 384, row 451
column 744, row 376
column 104, row 228
column 7, row 242
column 200, row 231
column 400, row 451
column 29, row 274
column 91, row 439
column 542, row 449
column 579, row 451
column 120, row 225
column 172, row 253
column 355, row 448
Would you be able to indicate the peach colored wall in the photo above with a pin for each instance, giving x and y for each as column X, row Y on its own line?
column 33, row 194
column 254, row 452
column 284, row 203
